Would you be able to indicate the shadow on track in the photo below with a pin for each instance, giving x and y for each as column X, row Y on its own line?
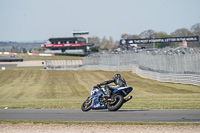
column 121, row 110
column 132, row 110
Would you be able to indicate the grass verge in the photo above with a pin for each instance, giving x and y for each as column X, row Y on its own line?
column 27, row 57
column 32, row 88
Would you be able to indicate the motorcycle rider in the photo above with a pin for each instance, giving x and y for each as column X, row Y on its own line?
column 117, row 79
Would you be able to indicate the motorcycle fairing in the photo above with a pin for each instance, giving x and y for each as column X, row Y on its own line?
column 124, row 91
column 95, row 93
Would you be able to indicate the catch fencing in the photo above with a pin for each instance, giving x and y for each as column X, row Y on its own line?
column 181, row 64
column 191, row 79
column 109, row 62
column 63, row 64
column 164, row 66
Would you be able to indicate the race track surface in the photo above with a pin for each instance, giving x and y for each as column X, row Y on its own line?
column 101, row 115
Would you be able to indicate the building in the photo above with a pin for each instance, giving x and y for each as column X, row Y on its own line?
column 84, row 34
column 67, row 45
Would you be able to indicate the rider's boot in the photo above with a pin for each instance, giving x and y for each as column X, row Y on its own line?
column 108, row 93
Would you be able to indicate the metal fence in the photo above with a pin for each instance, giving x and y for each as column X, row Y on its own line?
column 191, row 79
column 109, row 62
column 177, row 66
column 63, row 64
column 182, row 64
column 163, row 63
column 159, row 61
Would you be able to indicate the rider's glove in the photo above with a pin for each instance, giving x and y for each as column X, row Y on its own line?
column 95, row 86
column 99, row 85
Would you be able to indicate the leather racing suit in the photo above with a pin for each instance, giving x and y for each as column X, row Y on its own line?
column 119, row 82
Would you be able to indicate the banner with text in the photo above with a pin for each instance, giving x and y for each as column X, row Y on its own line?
column 159, row 40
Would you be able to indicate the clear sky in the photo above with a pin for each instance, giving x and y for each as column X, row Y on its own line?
column 30, row 20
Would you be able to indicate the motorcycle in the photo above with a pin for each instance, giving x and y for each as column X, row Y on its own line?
column 115, row 102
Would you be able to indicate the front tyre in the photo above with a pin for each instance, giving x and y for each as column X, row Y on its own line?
column 116, row 104
column 86, row 106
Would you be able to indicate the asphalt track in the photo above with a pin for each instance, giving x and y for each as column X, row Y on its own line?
column 101, row 115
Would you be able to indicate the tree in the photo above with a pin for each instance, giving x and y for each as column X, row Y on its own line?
column 103, row 44
column 181, row 32
column 93, row 39
column 15, row 49
column 196, row 29
column 124, row 36
column 24, row 50
column 108, row 44
column 128, row 36
column 95, row 49
column 110, row 40
column 104, row 40
column 161, row 35
column 147, row 34
column 3, row 50
column 133, row 37
column 112, row 44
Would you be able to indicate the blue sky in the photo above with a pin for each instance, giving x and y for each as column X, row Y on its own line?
column 30, row 20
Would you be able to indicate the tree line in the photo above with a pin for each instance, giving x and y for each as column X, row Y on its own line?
column 107, row 44
column 18, row 47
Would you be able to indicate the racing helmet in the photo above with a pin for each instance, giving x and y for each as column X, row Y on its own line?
column 117, row 76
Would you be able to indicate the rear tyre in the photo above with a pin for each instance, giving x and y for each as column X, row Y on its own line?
column 117, row 104
column 86, row 106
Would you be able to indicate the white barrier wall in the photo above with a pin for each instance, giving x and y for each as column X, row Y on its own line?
column 191, row 79
column 10, row 53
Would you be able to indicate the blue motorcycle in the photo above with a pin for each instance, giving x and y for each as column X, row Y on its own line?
column 115, row 102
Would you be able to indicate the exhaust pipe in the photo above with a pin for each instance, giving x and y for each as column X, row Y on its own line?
column 127, row 99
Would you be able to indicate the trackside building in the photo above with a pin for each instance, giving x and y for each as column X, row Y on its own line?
column 64, row 45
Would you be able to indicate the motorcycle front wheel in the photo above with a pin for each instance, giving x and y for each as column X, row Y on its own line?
column 116, row 104
column 86, row 106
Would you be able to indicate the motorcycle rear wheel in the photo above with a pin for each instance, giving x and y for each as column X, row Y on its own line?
column 86, row 106
column 117, row 104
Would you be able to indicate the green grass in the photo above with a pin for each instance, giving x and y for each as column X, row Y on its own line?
column 27, row 57
column 34, row 88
